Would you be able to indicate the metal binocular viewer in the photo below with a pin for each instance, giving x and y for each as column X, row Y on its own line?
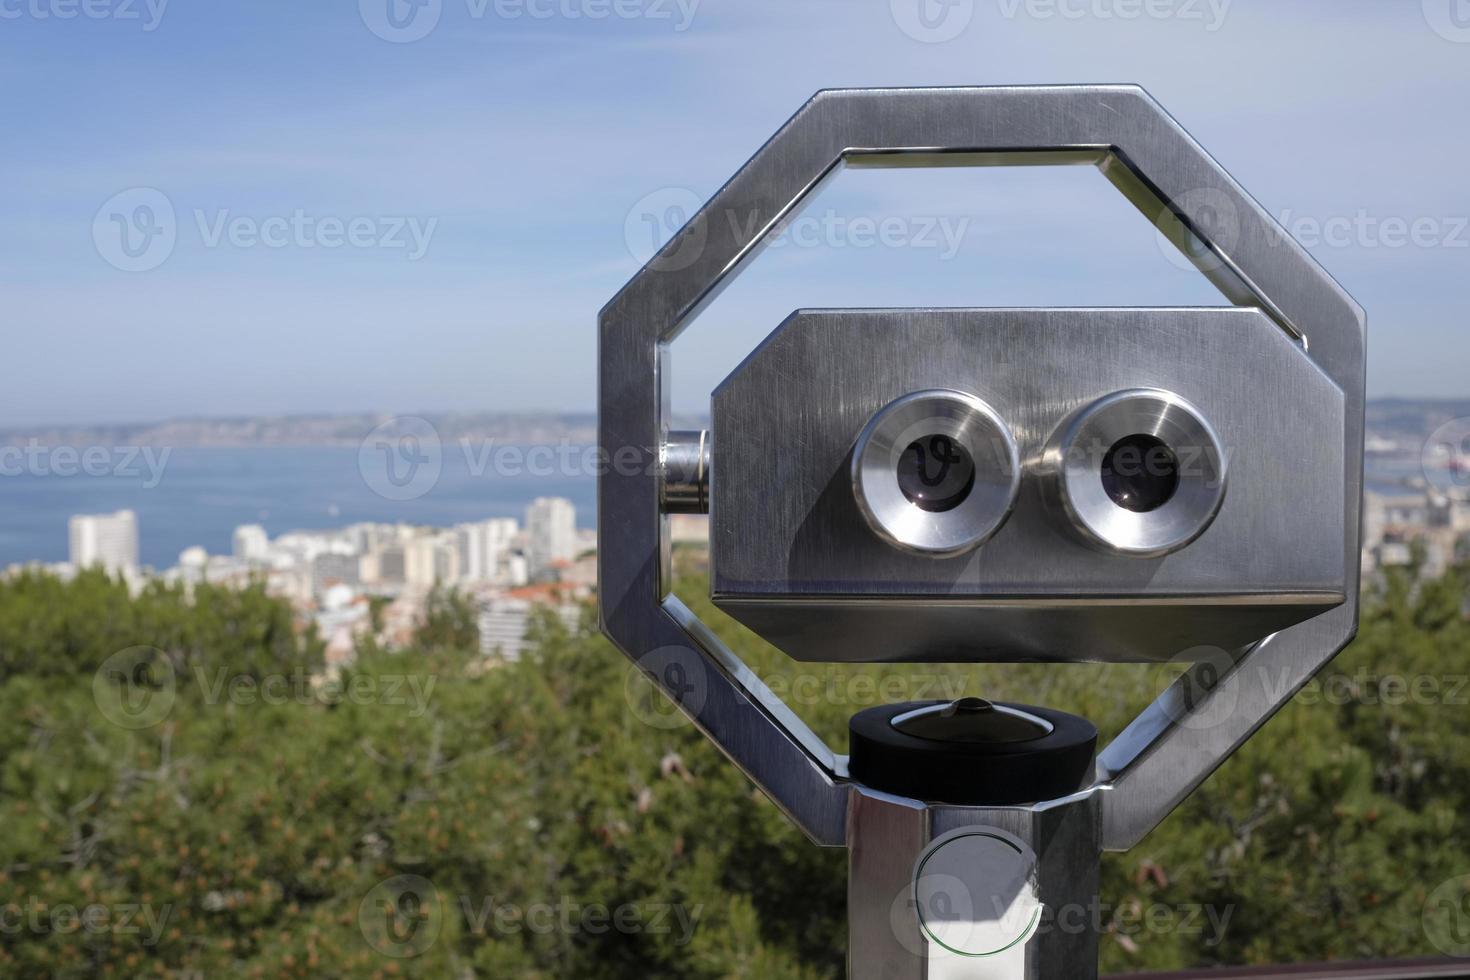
column 985, row 486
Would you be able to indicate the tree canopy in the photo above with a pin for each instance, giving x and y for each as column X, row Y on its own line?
column 185, row 792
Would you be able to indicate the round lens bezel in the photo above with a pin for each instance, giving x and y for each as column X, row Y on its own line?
column 1074, row 459
column 969, row 422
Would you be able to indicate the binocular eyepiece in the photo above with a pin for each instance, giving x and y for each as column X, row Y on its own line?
column 936, row 472
column 1137, row 473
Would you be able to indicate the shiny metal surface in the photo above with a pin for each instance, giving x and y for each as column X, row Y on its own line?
column 915, row 420
column 1098, row 631
column 818, row 583
column 885, row 837
column 685, row 467
column 1075, row 457
column 890, row 840
column 1122, row 131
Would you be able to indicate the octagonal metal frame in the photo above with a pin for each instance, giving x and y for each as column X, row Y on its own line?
column 1179, row 739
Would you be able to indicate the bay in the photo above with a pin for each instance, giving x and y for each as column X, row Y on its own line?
column 202, row 494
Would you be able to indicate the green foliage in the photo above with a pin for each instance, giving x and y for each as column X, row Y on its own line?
column 433, row 813
column 449, row 622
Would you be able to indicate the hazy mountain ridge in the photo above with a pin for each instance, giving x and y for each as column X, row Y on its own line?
column 512, row 428
column 1413, row 418
column 1391, row 418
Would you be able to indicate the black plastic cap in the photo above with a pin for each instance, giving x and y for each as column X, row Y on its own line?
column 971, row 769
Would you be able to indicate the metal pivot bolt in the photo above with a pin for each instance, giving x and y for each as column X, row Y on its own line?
column 685, row 459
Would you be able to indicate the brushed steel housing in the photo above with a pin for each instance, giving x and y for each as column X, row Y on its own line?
column 818, row 583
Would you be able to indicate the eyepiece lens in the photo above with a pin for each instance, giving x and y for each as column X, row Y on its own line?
column 936, row 473
column 1140, row 473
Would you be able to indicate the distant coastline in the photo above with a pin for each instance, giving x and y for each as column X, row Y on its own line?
column 200, row 494
column 1393, row 418
column 512, row 428
column 195, row 480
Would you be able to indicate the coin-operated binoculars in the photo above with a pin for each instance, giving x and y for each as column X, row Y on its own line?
column 985, row 486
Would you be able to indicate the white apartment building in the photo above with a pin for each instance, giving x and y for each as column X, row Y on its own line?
column 551, row 531
column 484, row 547
column 367, row 538
column 384, row 566
column 503, row 623
column 431, row 559
column 1394, row 519
column 517, row 571
column 109, row 541
column 251, row 543
column 329, row 570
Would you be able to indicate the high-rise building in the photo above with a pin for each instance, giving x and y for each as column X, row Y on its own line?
column 108, row 541
column 517, row 570
column 418, row 562
column 333, row 568
column 446, row 560
column 390, row 564
column 483, row 548
column 551, row 531
column 431, row 559
column 251, row 543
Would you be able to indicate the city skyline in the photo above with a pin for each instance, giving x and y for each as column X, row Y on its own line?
column 335, row 578
column 549, row 539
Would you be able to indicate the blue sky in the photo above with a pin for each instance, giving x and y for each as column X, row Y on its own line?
column 529, row 147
